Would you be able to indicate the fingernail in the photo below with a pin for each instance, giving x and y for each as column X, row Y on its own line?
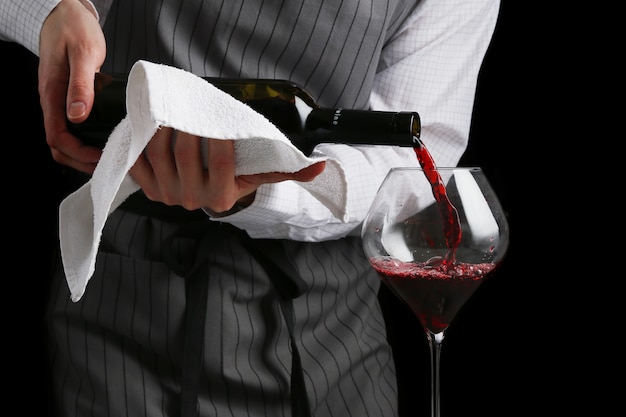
column 76, row 109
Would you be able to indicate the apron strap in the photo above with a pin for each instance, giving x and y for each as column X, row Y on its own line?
column 196, row 287
column 273, row 257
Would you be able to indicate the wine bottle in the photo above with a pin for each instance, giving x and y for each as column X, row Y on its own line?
column 284, row 103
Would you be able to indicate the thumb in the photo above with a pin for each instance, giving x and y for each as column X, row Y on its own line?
column 80, row 94
column 309, row 173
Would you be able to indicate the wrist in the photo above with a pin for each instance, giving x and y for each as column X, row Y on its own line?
column 241, row 204
column 89, row 6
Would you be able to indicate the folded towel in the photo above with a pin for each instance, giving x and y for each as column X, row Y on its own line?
column 158, row 95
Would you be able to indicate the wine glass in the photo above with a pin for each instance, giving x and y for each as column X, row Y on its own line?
column 434, row 235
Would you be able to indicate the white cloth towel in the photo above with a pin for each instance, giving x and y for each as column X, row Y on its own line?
column 159, row 95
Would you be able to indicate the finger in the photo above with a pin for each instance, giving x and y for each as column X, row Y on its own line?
column 222, row 192
column 190, row 168
column 309, row 173
column 85, row 59
column 158, row 154
column 80, row 89
column 52, row 93
column 306, row 174
column 248, row 184
column 142, row 173
column 82, row 159
column 80, row 95
column 65, row 148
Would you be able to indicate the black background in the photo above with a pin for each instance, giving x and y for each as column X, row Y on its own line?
column 491, row 358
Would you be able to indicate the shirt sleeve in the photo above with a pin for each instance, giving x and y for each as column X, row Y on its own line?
column 286, row 210
column 21, row 20
column 430, row 65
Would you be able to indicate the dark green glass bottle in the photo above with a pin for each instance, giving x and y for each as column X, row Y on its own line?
column 284, row 103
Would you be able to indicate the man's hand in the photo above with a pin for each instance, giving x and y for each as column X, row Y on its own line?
column 72, row 49
column 172, row 170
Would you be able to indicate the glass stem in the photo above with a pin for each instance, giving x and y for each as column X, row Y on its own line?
column 434, row 343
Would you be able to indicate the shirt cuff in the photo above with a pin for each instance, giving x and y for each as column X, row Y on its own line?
column 21, row 21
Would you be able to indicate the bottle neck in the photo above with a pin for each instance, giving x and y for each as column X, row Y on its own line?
column 363, row 127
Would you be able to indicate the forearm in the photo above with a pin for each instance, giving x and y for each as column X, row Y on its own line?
column 288, row 211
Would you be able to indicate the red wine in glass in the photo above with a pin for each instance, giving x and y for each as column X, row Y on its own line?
column 435, row 290
column 433, row 252
column 435, row 293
